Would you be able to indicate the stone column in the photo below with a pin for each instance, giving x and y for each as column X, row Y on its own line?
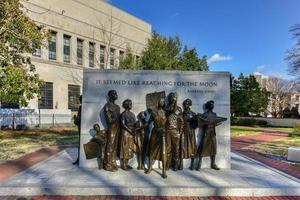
column 73, row 52
column 85, row 53
column 59, row 47
column 97, row 55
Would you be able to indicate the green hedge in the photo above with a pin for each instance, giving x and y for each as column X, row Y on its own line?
column 248, row 122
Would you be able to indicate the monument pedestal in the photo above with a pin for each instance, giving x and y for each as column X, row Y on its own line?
column 200, row 87
column 57, row 176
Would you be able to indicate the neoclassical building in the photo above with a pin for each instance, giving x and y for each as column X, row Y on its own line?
column 83, row 34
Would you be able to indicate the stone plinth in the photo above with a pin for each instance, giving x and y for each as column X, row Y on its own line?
column 200, row 87
column 294, row 154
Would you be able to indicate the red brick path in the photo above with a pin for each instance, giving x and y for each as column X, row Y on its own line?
column 238, row 143
column 145, row 198
column 11, row 168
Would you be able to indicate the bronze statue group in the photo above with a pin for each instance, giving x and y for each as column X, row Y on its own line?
column 171, row 140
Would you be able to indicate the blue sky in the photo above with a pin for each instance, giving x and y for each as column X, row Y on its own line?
column 238, row 35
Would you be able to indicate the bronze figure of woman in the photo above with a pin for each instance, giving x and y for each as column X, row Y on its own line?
column 112, row 117
column 157, row 145
column 188, row 143
column 127, row 147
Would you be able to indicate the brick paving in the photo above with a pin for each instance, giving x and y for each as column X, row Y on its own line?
column 11, row 168
column 146, row 198
column 238, row 143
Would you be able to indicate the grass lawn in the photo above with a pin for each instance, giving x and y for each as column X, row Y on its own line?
column 278, row 147
column 238, row 131
column 14, row 144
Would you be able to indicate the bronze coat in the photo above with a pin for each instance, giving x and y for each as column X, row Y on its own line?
column 209, row 140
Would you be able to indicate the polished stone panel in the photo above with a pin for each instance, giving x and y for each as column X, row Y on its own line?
column 200, row 87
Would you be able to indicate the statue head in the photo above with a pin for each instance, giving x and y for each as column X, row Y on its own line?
column 187, row 104
column 161, row 103
column 97, row 127
column 127, row 104
column 210, row 105
column 172, row 98
column 142, row 116
column 112, row 94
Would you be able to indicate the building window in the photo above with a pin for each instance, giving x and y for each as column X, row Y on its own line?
column 289, row 98
column 79, row 51
column 112, row 57
column 46, row 100
column 52, row 46
column 297, row 97
column 73, row 97
column 121, row 56
column 37, row 51
column 67, row 48
column 137, row 59
column 91, row 54
column 102, row 56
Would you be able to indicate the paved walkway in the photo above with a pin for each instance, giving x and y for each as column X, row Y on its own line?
column 57, row 176
column 39, row 180
column 148, row 198
column 238, row 144
column 11, row 168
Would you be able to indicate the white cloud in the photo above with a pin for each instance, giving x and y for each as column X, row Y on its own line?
column 218, row 58
column 272, row 71
column 261, row 68
column 107, row 1
column 174, row 15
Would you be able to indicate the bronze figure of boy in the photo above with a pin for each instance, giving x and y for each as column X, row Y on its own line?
column 174, row 127
column 100, row 139
column 141, row 140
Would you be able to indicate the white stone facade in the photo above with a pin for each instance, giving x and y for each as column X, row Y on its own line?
column 90, row 21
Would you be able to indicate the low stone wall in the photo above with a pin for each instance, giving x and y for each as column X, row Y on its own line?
column 286, row 122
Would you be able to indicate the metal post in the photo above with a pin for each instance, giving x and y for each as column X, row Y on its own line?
column 13, row 122
column 39, row 118
column 53, row 120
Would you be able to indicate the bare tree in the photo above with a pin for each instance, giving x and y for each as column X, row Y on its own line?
column 108, row 32
column 280, row 97
column 293, row 54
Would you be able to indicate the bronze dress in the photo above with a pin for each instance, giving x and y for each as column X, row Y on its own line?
column 188, row 136
column 112, row 117
column 157, row 138
column 127, row 147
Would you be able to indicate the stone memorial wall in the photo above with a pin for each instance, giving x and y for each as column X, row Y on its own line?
column 200, row 87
